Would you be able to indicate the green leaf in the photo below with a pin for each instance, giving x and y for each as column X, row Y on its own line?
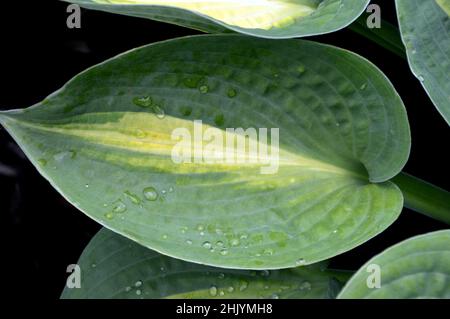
column 416, row 268
column 425, row 30
column 105, row 141
column 445, row 5
column 115, row 267
column 262, row 18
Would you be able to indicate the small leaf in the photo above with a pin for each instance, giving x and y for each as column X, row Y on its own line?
column 114, row 267
column 325, row 123
column 415, row 268
column 425, row 30
column 262, row 18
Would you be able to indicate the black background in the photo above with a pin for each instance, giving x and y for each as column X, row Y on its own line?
column 42, row 233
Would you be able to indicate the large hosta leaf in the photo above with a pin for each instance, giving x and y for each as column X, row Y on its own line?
column 416, row 268
column 105, row 141
column 115, row 267
column 263, row 18
column 425, row 29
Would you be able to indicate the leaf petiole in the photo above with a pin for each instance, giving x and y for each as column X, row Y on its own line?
column 424, row 197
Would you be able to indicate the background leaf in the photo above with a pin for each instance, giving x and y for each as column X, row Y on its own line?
column 416, row 268
column 425, row 30
column 262, row 18
column 104, row 142
column 115, row 267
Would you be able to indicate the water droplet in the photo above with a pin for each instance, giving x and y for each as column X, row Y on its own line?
column 305, row 286
column 132, row 197
column 221, row 275
column 94, row 265
column 231, row 93
column 275, row 296
column 335, row 231
column 265, row 273
column 87, row 185
column 144, row 101
column 221, row 293
column 363, row 86
column 158, row 110
column 235, row 242
column 138, row 292
column 219, row 244
column 243, row 284
column 42, row 161
column 213, row 291
column 230, row 289
column 219, row 120
column 162, row 269
column 188, row 241
column 300, row 262
column 150, row 194
column 128, row 289
column 138, row 283
column 119, row 207
column 202, row 233
column 165, row 236
column 268, row 252
column 224, row 252
column 207, row 245
column 184, row 230
column 109, row 215
column 203, row 89
column 61, row 156
column 243, row 237
column 276, row 75
column 170, row 189
column 200, row 227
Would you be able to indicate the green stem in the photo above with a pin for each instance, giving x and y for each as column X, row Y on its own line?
column 424, row 197
column 388, row 36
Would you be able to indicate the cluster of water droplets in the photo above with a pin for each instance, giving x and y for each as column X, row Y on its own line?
column 146, row 102
column 120, row 206
column 136, row 288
